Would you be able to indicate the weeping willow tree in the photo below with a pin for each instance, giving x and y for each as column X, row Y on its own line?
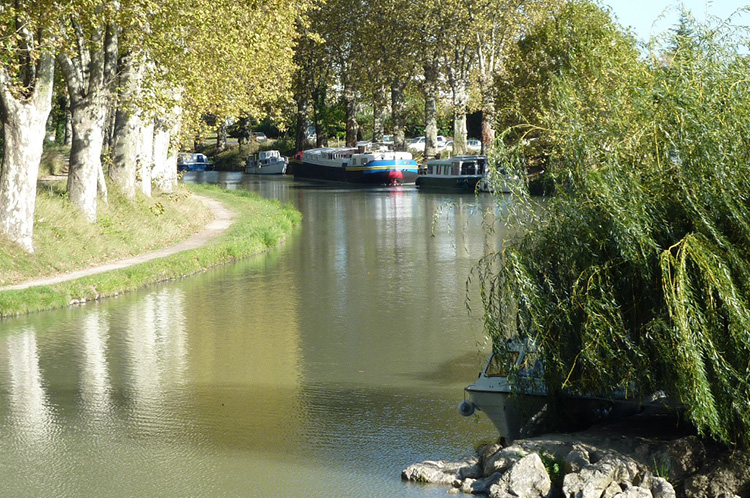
column 635, row 274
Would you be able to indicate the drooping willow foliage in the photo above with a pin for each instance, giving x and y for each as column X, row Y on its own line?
column 635, row 274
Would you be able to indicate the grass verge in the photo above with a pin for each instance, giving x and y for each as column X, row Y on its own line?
column 259, row 224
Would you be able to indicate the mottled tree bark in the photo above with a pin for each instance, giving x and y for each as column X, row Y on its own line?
column 127, row 134
column 24, row 122
column 164, row 173
column 398, row 110
column 89, row 77
column 430, row 110
column 300, row 136
column 221, row 136
column 145, row 161
column 379, row 109
column 460, row 103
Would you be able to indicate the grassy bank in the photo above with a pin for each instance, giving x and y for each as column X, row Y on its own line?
column 65, row 243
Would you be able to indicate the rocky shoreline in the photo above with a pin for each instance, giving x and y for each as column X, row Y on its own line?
column 640, row 457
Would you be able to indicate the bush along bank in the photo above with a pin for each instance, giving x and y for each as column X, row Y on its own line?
column 645, row 457
column 259, row 224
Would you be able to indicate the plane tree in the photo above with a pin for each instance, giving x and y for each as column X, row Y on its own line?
column 29, row 37
column 459, row 58
column 391, row 52
column 88, row 61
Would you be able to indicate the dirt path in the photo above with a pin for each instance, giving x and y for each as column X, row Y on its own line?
column 223, row 218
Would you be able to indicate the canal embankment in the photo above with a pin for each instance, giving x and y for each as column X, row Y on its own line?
column 643, row 456
column 185, row 233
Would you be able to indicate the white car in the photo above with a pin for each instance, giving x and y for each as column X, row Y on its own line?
column 417, row 144
column 473, row 145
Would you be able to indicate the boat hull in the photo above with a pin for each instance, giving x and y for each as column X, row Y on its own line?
column 464, row 183
column 510, row 414
column 272, row 169
column 520, row 415
column 377, row 173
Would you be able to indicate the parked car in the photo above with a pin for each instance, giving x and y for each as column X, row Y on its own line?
column 387, row 139
column 472, row 145
column 259, row 136
column 418, row 144
column 193, row 161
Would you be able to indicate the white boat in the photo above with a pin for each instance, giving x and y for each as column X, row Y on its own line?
column 454, row 173
column 266, row 162
column 519, row 407
column 363, row 164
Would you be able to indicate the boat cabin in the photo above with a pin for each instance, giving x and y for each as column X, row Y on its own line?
column 457, row 166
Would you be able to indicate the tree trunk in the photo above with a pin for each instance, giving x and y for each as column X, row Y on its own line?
column 164, row 173
column 90, row 77
column 300, row 137
column 488, row 115
column 398, row 110
column 430, row 111
column 379, row 108
column 127, row 130
column 23, row 133
column 221, row 137
column 145, row 161
column 460, row 102
column 89, row 116
column 246, row 131
column 320, row 115
column 352, row 127
column 68, row 140
column 101, row 183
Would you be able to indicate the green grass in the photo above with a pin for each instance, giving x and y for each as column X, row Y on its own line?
column 69, row 244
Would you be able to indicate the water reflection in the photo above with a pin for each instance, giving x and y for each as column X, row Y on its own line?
column 95, row 385
column 30, row 413
column 328, row 364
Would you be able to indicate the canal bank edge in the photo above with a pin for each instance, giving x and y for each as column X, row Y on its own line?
column 636, row 458
column 252, row 225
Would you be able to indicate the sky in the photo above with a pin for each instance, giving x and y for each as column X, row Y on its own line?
column 644, row 15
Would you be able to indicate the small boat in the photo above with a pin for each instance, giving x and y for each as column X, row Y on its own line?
column 363, row 164
column 455, row 173
column 518, row 406
column 266, row 162
column 193, row 161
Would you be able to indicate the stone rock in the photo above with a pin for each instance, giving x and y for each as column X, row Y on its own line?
column 592, row 480
column 440, row 472
column 486, row 451
column 526, row 478
column 503, row 459
column 661, row 488
column 479, row 486
column 577, row 459
column 635, row 492
column 612, row 490
column 730, row 476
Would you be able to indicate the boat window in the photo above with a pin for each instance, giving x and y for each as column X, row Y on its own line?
column 499, row 363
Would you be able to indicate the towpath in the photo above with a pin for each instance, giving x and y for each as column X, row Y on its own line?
column 223, row 219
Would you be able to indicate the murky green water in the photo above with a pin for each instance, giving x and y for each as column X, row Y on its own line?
column 321, row 369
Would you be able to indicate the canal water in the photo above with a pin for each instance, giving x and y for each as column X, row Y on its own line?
column 320, row 369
